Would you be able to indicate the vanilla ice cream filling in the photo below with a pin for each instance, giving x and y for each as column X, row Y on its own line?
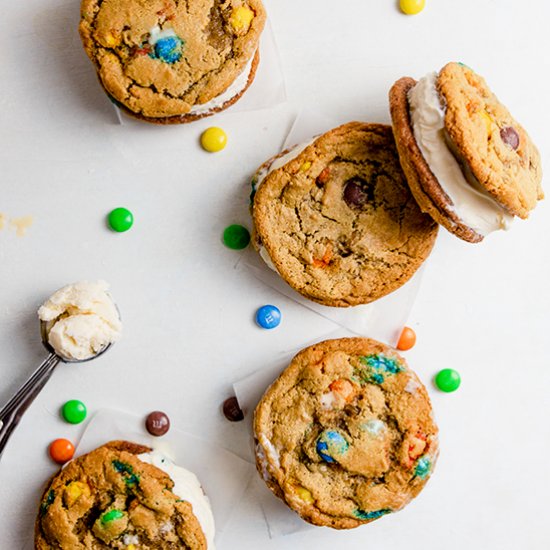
column 262, row 175
column 81, row 320
column 187, row 487
column 238, row 85
column 471, row 203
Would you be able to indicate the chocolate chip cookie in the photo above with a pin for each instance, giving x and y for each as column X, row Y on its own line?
column 336, row 219
column 109, row 498
column 346, row 434
column 165, row 61
column 469, row 163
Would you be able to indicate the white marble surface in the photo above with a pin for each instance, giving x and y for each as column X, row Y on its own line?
column 483, row 309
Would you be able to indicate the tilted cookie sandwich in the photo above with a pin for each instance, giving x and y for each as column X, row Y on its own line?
column 169, row 62
column 124, row 495
column 336, row 219
column 346, row 435
column 469, row 163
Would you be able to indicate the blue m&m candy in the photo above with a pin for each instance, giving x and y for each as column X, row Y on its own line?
column 423, row 467
column 268, row 317
column 330, row 445
column 367, row 516
column 169, row 49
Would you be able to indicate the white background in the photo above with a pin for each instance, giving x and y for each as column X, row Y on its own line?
column 189, row 332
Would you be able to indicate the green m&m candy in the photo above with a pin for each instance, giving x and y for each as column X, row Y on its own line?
column 447, row 380
column 236, row 237
column 74, row 411
column 120, row 219
column 111, row 515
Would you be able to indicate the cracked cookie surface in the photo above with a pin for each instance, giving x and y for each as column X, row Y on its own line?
column 162, row 59
column 346, row 434
column 339, row 222
column 109, row 498
column 494, row 145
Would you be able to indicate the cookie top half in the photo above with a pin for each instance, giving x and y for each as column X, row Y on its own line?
column 161, row 58
column 109, row 498
column 496, row 148
column 346, row 434
column 339, row 222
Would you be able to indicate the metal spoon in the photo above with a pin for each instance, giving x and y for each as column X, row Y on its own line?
column 13, row 410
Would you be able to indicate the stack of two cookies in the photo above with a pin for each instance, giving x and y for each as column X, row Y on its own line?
column 346, row 434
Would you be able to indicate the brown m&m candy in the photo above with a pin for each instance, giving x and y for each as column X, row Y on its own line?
column 510, row 137
column 356, row 194
column 232, row 411
column 157, row 423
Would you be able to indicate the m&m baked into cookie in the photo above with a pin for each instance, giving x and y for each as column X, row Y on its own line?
column 336, row 219
column 346, row 435
column 165, row 61
column 469, row 163
column 124, row 495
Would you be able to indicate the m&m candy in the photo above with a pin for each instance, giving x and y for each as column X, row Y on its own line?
column 268, row 317
column 111, row 515
column 510, row 137
column 407, row 340
column 169, row 49
column 236, row 237
column 213, row 140
column 330, row 445
column 61, row 450
column 412, row 7
column 232, row 410
column 157, row 423
column 74, row 411
column 305, row 495
column 120, row 219
column 447, row 380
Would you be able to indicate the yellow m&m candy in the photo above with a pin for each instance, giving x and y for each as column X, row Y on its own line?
column 487, row 119
column 305, row 495
column 241, row 19
column 213, row 140
column 75, row 490
column 412, row 7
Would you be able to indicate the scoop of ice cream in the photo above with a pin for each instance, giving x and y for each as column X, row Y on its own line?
column 81, row 320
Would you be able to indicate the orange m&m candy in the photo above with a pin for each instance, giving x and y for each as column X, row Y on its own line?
column 61, row 450
column 407, row 340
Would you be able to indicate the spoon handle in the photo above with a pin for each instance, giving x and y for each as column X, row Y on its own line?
column 13, row 410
